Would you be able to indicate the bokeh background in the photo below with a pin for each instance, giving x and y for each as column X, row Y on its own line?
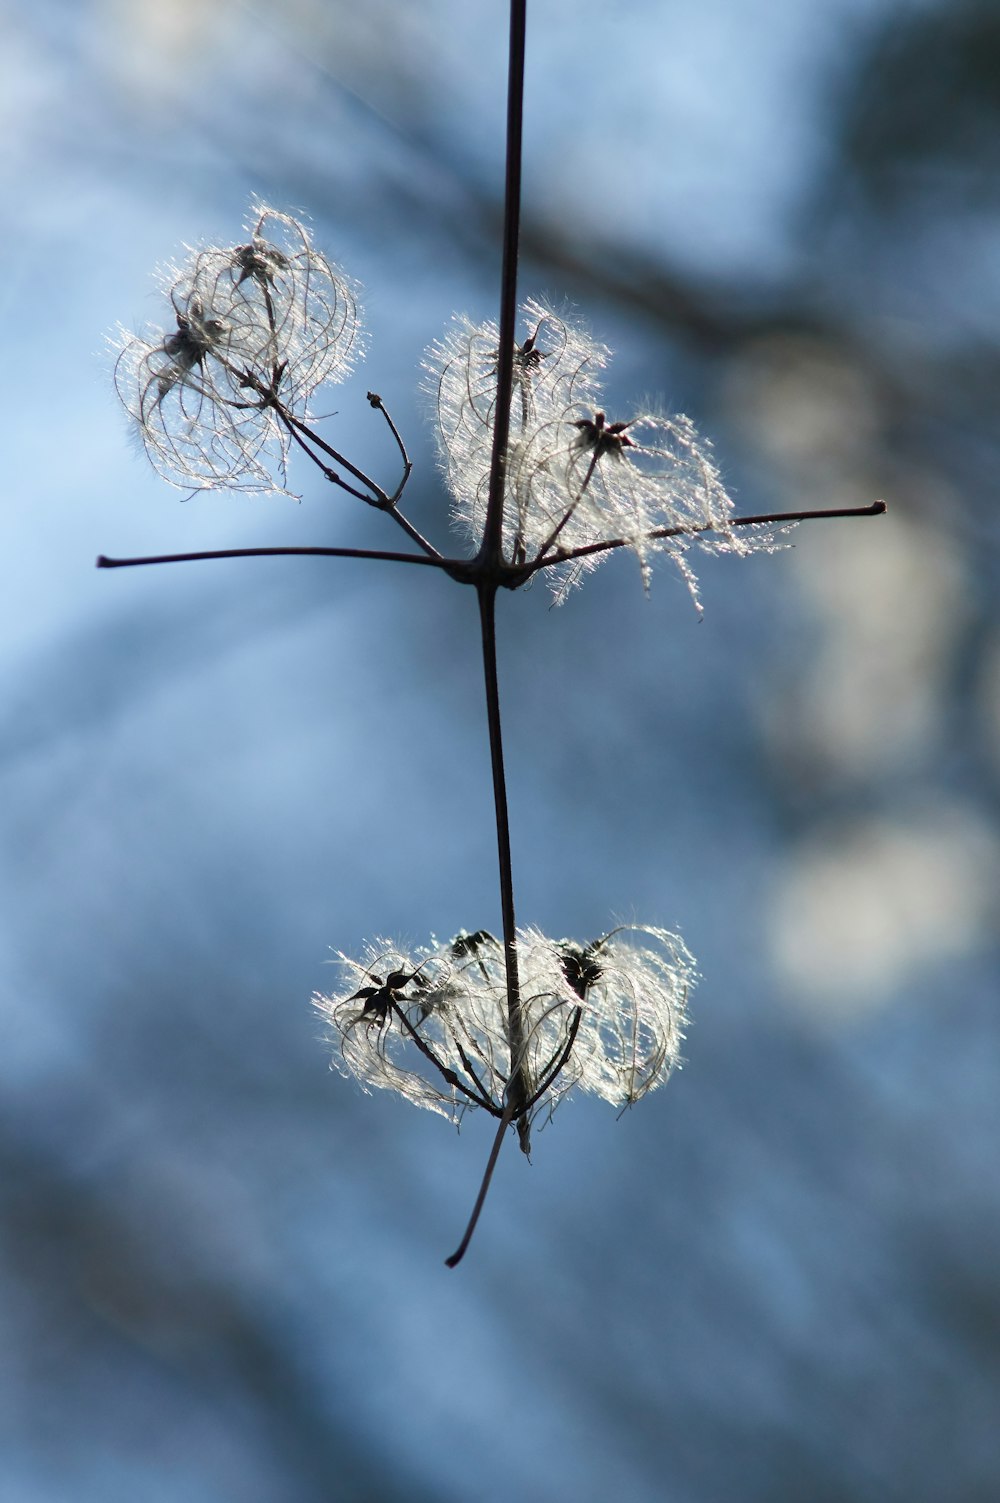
column 777, row 1279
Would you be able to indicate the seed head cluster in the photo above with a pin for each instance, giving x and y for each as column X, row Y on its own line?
column 219, row 396
column 432, row 1024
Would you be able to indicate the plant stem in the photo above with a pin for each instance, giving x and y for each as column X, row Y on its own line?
column 291, row 422
column 376, row 401
column 490, row 552
column 412, row 532
column 490, row 559
column 457, row 567
column 491, row 1164
column 565, row 555
column 330, row 475
column 518, row 1089
column 378, row 498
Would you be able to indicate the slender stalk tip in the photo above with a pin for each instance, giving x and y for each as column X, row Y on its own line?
column 491, row 1163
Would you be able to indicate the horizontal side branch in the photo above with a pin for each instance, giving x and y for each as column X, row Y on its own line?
column 566, row 555
column 454, row 566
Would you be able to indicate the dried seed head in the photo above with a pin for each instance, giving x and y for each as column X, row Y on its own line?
column 258, row 327
column 607, row 1017
column 555, row 373
column 602, row 437
column 573, row 478
column 200, row 425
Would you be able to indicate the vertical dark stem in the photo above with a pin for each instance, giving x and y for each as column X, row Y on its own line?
column 490, row 555
column 518, row 1085
column 493, row 530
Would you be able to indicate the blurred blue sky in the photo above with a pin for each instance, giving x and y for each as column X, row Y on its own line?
column 223, row 1265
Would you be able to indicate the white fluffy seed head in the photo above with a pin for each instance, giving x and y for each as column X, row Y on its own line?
column 253, row 327
column 556, row 365
column 199, row 426
column 432, row 1024
column 573, row 478
column 279, row 277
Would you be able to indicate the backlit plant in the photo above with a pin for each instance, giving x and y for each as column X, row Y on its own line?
column 543, row 479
